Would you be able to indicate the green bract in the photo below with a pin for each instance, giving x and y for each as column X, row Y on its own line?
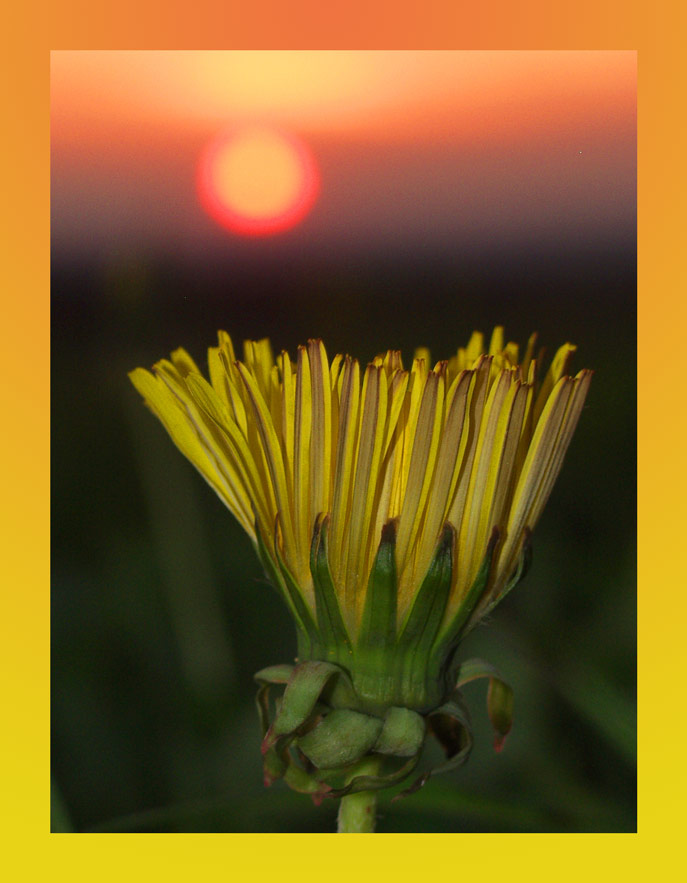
column 379, row 695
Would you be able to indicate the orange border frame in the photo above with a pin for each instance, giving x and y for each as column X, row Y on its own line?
column 657, row 31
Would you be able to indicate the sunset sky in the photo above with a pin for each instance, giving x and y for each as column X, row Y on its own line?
column 373, row 200
column 413, row 150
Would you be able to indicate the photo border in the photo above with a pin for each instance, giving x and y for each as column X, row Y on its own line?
column 655, row 31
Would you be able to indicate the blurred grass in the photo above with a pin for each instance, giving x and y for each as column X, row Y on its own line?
column 60, row 823
column 161, row 613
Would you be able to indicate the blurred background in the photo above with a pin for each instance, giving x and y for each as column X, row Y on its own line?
column 376, row 200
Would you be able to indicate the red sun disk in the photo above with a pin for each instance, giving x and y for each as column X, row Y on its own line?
column 219, row 206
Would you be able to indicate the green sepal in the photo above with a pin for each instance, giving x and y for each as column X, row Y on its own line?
column 274, row 766
column 378, row 626
column 303, row 611
column 425, row 615
column 262, row 702
column 450, row 723
column 523, row 566
column 453, row 629
column 298, row 780
column 342, row 737
column 329, row 620
column 286, row 585
column 266, row 677
column 376, row 783
column 452, row 727
column 273, row 575
column 452, row 632
column 416, row 640
column 274, row 674
column 499, row 696
column 402, row 734
column 305, row 685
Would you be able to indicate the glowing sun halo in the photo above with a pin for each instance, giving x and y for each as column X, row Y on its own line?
column 257, row 181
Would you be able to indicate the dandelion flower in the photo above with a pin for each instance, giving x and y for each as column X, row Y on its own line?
column 392, row 508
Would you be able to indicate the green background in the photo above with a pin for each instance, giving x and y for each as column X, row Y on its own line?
column 161, row 613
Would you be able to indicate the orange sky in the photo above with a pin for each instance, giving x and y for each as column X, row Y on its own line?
column 387, row 94
column 439, row 143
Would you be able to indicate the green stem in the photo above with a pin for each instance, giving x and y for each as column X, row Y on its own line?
column 357, row 812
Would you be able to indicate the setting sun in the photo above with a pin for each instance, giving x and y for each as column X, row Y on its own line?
column 256, row 182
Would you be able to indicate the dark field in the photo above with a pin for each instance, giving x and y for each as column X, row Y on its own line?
column 161, row 614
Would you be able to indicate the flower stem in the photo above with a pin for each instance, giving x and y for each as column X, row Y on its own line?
column 357, row 812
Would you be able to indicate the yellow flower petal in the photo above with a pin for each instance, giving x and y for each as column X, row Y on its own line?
column 474, row 442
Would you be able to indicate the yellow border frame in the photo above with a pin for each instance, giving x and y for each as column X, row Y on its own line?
column 656, row 29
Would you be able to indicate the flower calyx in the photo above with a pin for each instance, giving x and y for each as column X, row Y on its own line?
column 321, row 747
